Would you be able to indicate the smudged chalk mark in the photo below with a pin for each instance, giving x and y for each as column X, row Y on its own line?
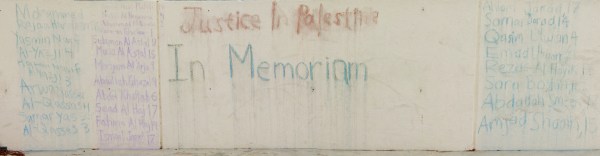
column 5, row 151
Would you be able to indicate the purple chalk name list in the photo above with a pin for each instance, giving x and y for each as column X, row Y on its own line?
column 127, row 113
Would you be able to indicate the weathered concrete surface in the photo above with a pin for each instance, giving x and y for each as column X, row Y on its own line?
column 302, row 152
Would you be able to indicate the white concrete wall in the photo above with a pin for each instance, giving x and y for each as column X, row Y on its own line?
column 360, row 75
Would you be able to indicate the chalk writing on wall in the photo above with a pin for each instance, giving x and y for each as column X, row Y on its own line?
column 531, row 81
column 320, row 19
column 334, row 69
column 54, row 108
column 213, row 51
column 307, row 20
column 127, row 113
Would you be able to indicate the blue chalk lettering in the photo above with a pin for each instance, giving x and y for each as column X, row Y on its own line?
column 248, row 50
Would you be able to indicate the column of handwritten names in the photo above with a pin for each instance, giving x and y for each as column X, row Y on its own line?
column 54, row 108
column 126, row 78
column 531, row 81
